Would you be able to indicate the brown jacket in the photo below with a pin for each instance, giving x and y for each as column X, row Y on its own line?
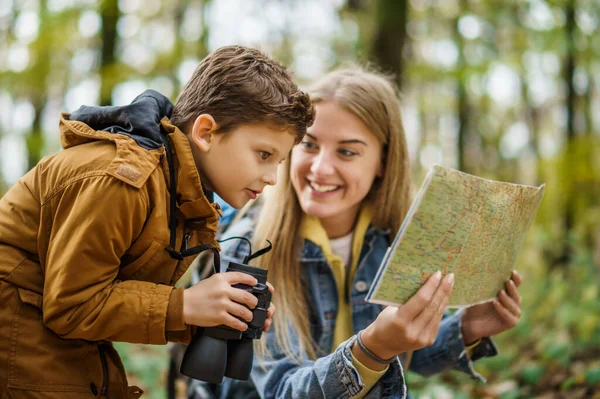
column 83, row 261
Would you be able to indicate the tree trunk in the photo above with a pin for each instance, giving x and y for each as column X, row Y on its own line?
column 35, row 139
column 461, row 97
column 569, row 74
column 390, row 35
column 39, row 96
column 110, row 16
column 203, row 42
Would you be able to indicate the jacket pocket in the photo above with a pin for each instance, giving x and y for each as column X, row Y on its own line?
column 132, row 270
column 30, row 298
column 39, row 360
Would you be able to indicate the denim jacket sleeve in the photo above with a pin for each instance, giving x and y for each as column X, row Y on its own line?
column 449, row 352
column 331, row 376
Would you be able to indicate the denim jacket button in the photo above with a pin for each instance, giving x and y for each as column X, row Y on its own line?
column 360, row 286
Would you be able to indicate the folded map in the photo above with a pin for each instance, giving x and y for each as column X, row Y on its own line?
column 461, row 224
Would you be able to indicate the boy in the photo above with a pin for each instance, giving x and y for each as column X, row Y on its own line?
column 93, row 238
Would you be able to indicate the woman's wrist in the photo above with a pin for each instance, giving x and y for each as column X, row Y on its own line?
column 469, row 336
column 375, row 345
column 366, row 357
column 365, row 360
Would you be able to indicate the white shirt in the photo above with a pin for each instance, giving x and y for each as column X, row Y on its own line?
column 342, row 247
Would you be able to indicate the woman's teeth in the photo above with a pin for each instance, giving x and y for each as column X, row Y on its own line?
column 323, row 188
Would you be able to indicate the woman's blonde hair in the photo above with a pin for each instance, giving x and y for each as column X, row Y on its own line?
column 373, row 98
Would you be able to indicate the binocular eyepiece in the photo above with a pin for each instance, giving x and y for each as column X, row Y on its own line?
column 221, row 351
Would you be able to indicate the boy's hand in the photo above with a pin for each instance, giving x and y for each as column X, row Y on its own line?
column 270, row 311
column 214, row 301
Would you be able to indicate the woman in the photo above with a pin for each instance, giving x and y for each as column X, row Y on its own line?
column 342, row 197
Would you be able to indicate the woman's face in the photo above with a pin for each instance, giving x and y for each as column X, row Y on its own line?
column 333, row 168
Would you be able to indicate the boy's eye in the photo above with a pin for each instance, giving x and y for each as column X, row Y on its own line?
column 264, row 155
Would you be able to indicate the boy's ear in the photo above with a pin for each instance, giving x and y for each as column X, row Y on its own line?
column 203, row 131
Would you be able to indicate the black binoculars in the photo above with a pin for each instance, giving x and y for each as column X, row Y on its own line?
column 221, row 351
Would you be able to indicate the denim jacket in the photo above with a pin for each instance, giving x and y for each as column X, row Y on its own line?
column 333, row 374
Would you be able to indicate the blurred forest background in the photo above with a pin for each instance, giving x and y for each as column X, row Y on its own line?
column 507, row 90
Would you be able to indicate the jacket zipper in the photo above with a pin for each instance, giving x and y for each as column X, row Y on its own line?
column 186, row 240
column 104, row 387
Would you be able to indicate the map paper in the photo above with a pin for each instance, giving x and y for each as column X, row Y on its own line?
column 459, row 224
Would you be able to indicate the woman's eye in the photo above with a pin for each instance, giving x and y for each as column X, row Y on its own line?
column 347, row 153
column 308, row 145
column 264, row 155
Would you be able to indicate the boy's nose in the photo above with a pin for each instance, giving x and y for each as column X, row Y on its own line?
column 271, row 177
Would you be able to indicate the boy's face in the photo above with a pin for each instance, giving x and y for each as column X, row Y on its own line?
column 237, row 165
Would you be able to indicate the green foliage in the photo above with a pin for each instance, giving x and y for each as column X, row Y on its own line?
column 592, row 376
column 531, row 375
column 146, row 367
column 446, row 78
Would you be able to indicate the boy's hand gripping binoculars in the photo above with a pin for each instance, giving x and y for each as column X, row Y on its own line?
column 218, row 352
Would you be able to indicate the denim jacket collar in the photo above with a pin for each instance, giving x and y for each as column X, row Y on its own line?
column 311, row 251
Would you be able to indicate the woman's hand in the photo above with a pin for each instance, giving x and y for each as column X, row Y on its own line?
column 494, row 317
column 409, row 327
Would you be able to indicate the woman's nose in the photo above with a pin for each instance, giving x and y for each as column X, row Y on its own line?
column 322, row 164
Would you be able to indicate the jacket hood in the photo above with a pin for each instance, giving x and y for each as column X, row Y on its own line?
column 139, row 120
column 145, row 121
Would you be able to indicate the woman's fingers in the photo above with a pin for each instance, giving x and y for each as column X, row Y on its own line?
column 430, row 302
column 434, row 311
column 415, row 305
column 509, row 318
column 513, row 292
column 517, row 278
column 408, row 327
column 509, row 303
column 432, row 327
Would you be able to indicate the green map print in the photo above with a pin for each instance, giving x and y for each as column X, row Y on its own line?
column 459, row 224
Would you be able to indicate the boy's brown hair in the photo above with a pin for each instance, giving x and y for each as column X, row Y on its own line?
column 238, row 85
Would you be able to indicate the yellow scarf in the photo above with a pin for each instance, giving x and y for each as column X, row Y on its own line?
column 311, row 229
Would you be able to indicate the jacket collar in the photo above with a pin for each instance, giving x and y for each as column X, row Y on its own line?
column 193, row 201
column 318, row 244
column 132, row 163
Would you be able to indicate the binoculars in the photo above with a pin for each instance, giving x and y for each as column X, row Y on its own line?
column 221, row 351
